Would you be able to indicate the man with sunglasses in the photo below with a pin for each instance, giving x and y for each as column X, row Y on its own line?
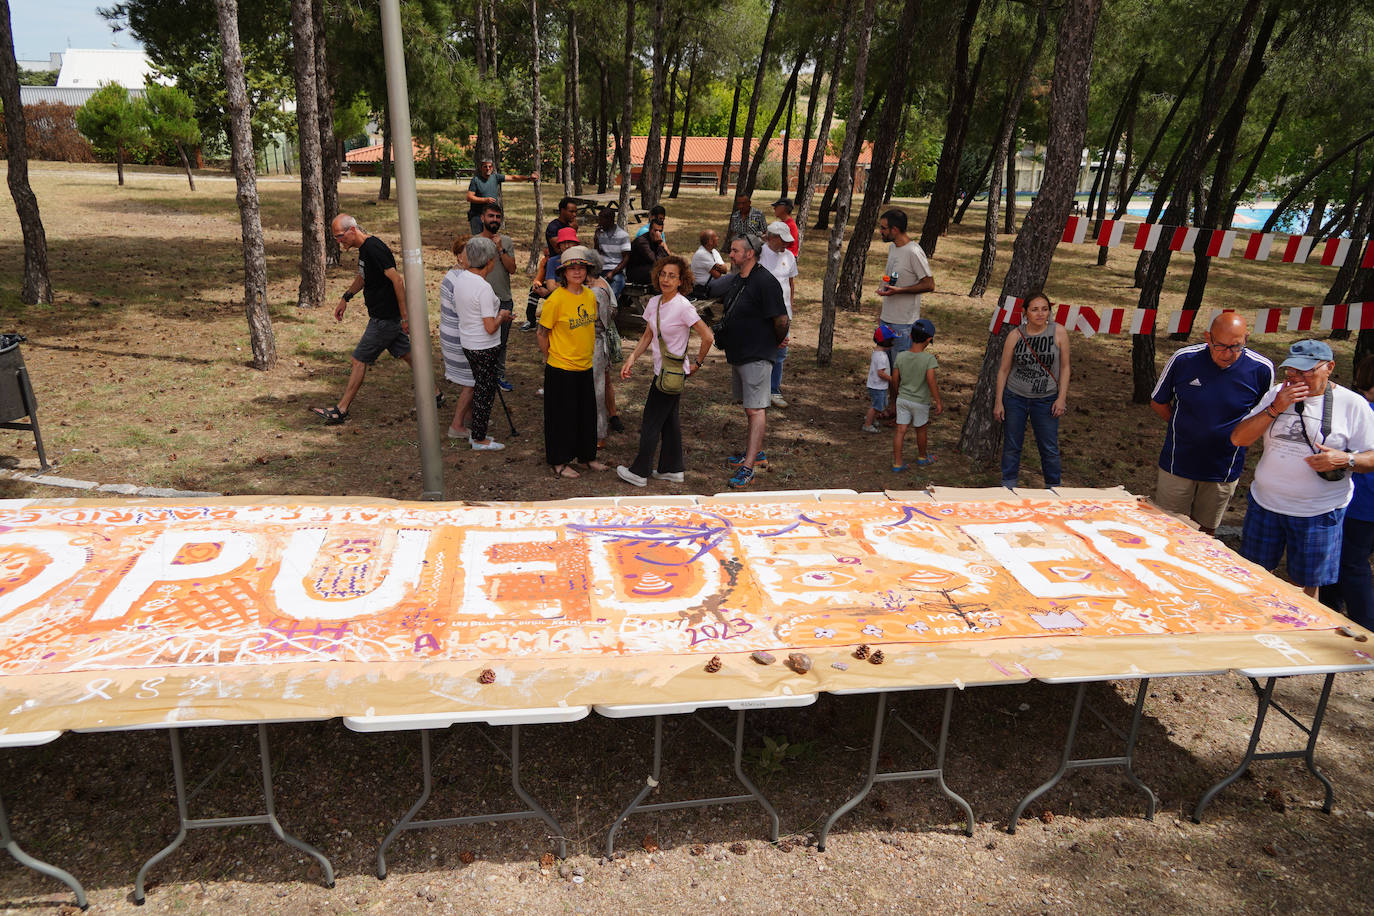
column 1203, row 392
column 1315, row 434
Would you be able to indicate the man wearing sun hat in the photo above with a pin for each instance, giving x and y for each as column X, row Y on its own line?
column 1316, row 434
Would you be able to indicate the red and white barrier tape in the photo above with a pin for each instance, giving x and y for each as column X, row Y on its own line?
column 1220, row 243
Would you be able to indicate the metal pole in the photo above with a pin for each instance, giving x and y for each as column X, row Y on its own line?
column 412, row 267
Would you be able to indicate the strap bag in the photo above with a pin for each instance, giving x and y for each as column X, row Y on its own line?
column 1328, row 403
column 721, row 329
column 673, row 376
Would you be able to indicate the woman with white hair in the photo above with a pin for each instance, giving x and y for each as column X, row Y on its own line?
column 479, row 323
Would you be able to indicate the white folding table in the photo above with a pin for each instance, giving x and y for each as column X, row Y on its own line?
column 426, row 724
column 34, row 739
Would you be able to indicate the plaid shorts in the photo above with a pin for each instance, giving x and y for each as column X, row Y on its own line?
column 1312, row 544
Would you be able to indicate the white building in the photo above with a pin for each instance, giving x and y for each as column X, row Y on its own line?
column 91, row 68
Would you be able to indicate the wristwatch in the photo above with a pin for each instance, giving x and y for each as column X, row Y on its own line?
column 1350, row 461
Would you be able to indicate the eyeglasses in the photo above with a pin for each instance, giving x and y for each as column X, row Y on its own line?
column 1293, row 370
column 1227, row 348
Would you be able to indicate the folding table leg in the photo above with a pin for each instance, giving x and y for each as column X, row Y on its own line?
column 937, row 773
column 652, row 780
column 43, row 868
column 408, row 822
column 1067, row 761
column 1265, row 697
column 188, row 823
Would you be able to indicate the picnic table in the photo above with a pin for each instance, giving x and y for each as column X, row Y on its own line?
column 590, row 204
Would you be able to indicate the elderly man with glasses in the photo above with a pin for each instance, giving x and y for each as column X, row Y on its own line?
column 1203, row 392
column 1316, row 434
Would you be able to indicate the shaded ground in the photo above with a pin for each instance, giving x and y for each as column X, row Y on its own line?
column 142, row 378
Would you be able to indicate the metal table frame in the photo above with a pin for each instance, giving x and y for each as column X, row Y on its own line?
column 426, row 724
column 938, row 748
column 1128, row 738
column 652, row 781
column 35, row 739
column 1265, row 698
column 187, row 823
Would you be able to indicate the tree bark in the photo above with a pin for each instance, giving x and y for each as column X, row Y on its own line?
column 384, row 192
column 844, row 181
column 829, row 197
column 1359, row 232
column 746, row 155
column 565, row 139
column 627, row 112
column 1002, row 149
column 329, row 144
column 537, row 244
column 1009, row 209
column 803, row 170
column 972, row 189
column 37, row 287
column 816, row 166
column 653, row 152
column 486, row 121
column 260, row 335
column 310, row 293
column 672, row 114
column 602, row 129
column 761, row 153
column 945, row 191
column 787, row 142
column 575, row 60
column 686, row 120
column 730, row 138
column 980, row 439
column 1296, row 191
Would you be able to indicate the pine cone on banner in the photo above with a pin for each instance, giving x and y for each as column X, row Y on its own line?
column 877, row 657
column 713, row 665
column 487, row 676
column 861, row 652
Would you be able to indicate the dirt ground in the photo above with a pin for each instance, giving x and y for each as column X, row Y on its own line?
column 142, row 377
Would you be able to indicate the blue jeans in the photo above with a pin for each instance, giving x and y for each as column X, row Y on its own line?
column 617, row 282
column 1353, row 593
column 901, row 343
column 1046, row 426
column 777, row 370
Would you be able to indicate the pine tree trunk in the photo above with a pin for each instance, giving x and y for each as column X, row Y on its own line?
column 627, row 112
column 844, row 182
column 686, row 121
column 575, row 59
column 945, row 191
column 310, row 293
column 486, row 141
column 787, row 144
column 37, row 287
column 1009, row 211
column 730, row 138
column 260, row 335
column 384, row 192
column 565, row 138
column 329, row 144
column 761, row 153
column 537, row 244
column 119, row 162
column 746, row 154
column 672, row 116
column 981, row 437
column 815, row 168
column 803, row 163
column 829, row 198
column 653, row 150
column 1345, row 275
column 602, row 128
column 984, row 171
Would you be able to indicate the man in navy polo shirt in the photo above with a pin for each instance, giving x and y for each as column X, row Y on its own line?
column 1203, row 392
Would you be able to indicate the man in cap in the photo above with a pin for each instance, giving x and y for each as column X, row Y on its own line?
column 779, row 261
column 782, row 212
column 1316, row 434
column 1203, row 392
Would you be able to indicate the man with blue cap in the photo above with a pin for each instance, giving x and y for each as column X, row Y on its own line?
column 1316, row 434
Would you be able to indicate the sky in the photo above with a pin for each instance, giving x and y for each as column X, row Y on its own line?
column 43, row 26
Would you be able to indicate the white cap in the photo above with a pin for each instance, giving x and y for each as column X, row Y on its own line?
column 779, row 228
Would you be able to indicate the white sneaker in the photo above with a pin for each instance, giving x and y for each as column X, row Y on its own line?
column 491, row 445
column 630, row 476
column 870, row 429
column 672, row 476
column 778, row 401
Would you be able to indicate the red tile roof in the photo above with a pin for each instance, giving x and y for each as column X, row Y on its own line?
column 711, row 150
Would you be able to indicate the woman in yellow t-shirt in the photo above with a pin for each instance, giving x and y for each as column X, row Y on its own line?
column 567, row 337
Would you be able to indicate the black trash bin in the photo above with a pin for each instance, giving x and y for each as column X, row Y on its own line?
column 16, row 393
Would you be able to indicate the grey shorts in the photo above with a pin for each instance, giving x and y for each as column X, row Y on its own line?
column 381, row 335
column 752, row 383
column 912, row 413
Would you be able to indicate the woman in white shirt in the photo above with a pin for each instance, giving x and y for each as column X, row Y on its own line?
column 672, row 317
column 479, row 323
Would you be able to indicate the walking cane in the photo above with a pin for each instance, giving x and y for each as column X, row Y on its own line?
column 502, row 396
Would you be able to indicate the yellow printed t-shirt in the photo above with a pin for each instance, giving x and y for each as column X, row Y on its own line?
column 571, row 323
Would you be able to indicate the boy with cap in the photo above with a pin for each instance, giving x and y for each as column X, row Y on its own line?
column 1315, row 434
column 879, row 378
column 913, row 372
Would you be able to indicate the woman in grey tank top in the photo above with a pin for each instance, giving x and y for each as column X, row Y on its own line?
column 1033, row 385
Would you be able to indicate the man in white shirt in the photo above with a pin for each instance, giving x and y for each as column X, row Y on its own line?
column 613, row 244
column 707, row 264
column 1315, row 435
column 781, row 263
column 905, row 278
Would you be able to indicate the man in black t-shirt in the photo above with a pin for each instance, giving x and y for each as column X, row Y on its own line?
column 566, row 219
column 384, row 292
column 755, row 323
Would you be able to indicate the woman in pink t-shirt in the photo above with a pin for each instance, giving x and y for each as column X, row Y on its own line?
column 668, row 314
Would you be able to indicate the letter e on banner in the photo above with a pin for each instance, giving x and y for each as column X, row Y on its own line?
column 1150, row 547
column 1020, row 560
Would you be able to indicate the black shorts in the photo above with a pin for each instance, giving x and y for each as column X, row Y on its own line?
column 381, row 334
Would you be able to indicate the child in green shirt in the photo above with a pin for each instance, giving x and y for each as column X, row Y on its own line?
column 913, row 372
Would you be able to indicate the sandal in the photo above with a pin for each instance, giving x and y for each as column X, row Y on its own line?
column 598, row 465
column 564, row 470
column 331, row 416
column 927, row 461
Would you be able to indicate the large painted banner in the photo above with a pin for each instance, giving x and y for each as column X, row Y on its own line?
column 115, row 614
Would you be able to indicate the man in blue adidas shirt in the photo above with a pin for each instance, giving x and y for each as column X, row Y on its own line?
column 1203, row 392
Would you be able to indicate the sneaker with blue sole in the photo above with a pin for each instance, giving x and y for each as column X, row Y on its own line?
column 505, row 385
column 737, row 459
column 742, row 477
